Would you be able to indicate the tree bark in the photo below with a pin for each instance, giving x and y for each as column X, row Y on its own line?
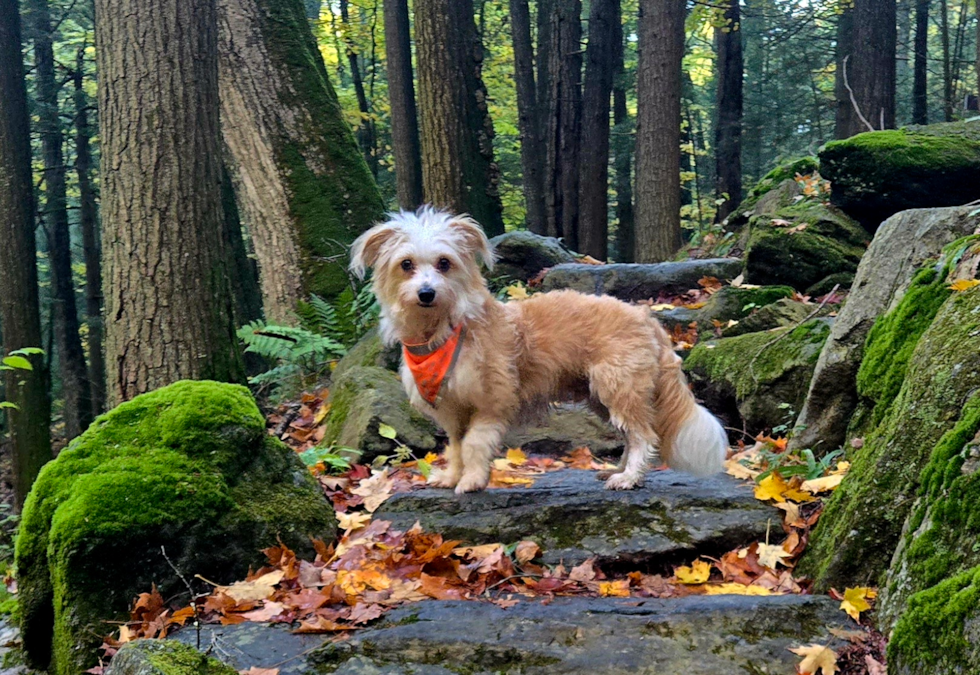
column 169, row 308
column 243, row 272
column 728, row 101
column 542, row 63
column 528, row 117
column 458, row 170
column 600, row 63
column 947, row 66
column 564, row 121
column 870, row 69
column 622, row 160
column 658, row 129
column 91, row 247
column 76, row 393
column 312, row 8
column 365, row 130
column 401, row 93
column 20, row 316
column 920, row 95
column 304, row 190
column 845, row 119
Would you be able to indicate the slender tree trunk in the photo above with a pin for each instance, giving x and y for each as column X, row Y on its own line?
column 658, row 129
column 622, row 159
column 958, row 48
column 947, row 66
column 870, row 68
column 458, row 169
column 542, row 63
column 20, row 316
column 169, row 307
column 528, row 117
column 304, row 190
column 920, row 100
column 76, row 393
column 312, row 9
column 564, row 122
column 365, row 130
column 728, row 101
column 600, row 63
column 91, row 247
column 401, row 93
column 845, row 119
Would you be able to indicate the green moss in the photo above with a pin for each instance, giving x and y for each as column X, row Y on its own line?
column 877, row 174
column 369, row 351
column 160, row 657
column 802, row 166
column 188, row 468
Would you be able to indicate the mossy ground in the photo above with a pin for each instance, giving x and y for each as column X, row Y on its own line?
column 159, row 657
column 187, row 468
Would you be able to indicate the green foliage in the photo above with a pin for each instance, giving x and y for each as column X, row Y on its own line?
column 335, row 459
column 346, row 319
column 17, row 360
column 300, row 355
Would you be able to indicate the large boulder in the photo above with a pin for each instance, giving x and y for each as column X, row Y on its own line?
column 899, row 248
column 782, row 313
column 634, row 282
column 187, row 469
column 521, row 255
column 730, row 303
column 757, row 378
column 877, row 174
column 164, row 657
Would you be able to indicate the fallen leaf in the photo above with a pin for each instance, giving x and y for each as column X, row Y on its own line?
column 776, row 488
column 855, row 601
column 964, row 284
column 353, row 520
column 823, row 484
column 255, row 670
column 363, row 613
column 737, row 281
column 792, row 517
column 697, row 573
column 526, row 551
column 770, row 555
column 257, row 589
column 816, row 658
column 875, row 667
column 620, row 588
column 736, row 589
column 855, row 636
column 516, row 457
column 583, row 572
column 660, row 307
column 517, row 292
column 375, row 490
column 264, row 613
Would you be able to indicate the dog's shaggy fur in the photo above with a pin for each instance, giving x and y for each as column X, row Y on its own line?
column 520, row 356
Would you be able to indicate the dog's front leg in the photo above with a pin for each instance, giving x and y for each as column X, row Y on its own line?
column 481, row 440
column 449, row 476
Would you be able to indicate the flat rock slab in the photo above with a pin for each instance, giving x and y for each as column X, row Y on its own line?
column 567, row 426
column 573, row 517
column 697, row 635
column 639, row 282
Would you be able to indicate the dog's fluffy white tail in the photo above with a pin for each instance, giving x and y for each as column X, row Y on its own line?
column 700, row 445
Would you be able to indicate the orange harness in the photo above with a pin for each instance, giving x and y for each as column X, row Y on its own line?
column 430, row 366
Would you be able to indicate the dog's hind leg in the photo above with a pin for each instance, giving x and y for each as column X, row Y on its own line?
column 480, row 442
column 633, row 467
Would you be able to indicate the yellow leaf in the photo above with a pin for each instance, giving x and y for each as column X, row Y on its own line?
column 824, row 484
column 375, row 490
column 817, row 660
column 321, row 414
column 734, row 467
column 615, row 589
column 792, row 510
column 431, row 457
column 516, row 457
column 661, row 307
column 964, row 284
column 353, row 520
column 776, row 488
column 697, row 573
column 771, row 555
column 517, row 292
column 736, row 589
column 842, row 467
column 256, row 589
column 856, row 601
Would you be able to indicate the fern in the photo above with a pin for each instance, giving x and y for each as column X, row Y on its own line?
column 301, row 356
column 346, row 319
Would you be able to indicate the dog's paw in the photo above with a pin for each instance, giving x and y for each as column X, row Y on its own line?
column 442, row 478
column 472, row 482
column 605, row 475
column 623, row 481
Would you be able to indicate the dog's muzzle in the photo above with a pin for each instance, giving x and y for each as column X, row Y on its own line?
column 426, row 296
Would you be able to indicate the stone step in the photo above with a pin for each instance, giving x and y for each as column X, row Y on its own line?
column 569, row 513
column 695, row 635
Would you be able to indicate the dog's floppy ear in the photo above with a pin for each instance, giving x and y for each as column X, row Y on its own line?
column 365, row 250
column 474, row 239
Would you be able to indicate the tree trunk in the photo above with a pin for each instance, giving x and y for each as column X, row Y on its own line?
column 312, row 8
column 303, row 187
column 920, row 100
column 243, row 272
column 728, row 100
column 169, row 308
column 458, row 171
column 622, row 160
column 869, row 69
column 564, row 121
column 401, row 93
column 20, row 315
column 845, row 120
column 528, row 117
column 947, row 66
column 76, row 393
column 658, row 129
column 542, row 83
column 365, row 130
column 600, row 63
column 91, row 248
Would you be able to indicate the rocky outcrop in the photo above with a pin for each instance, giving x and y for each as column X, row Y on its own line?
column 521, row 255
column 639, row 282
column 566, row 427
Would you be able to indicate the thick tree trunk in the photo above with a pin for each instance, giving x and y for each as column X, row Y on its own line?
column 920, row 95
column 869, row 69
column 728, row 100
column 401, row 93
column 658, row 129
column 365, row 130
column 528, row 117
column 458, row 171
column 30, row 440
column 169, row 308
column 622, row 161
column 76, row 393
column 303, row 187
column 564, row 121
column 600, row 63
column 91, row 247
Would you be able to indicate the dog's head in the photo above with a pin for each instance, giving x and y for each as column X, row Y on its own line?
column 426, row 266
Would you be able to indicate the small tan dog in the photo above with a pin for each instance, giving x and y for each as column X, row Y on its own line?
column 477, row 365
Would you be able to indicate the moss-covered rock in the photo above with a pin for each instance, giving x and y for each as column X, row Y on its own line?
column 164, row 657
column 521, row 255
column 369, row 351
column 760, row 375
column 780, row 314
column 364, row 397
column 909, row 419
column 787, row 171
column 842, row 281
column 187, row 468
column 876, row 174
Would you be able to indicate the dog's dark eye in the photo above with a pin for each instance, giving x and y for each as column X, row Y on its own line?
column 443, row 265
column 407, row 265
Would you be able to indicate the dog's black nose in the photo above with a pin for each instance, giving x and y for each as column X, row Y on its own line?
column 426, row 295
